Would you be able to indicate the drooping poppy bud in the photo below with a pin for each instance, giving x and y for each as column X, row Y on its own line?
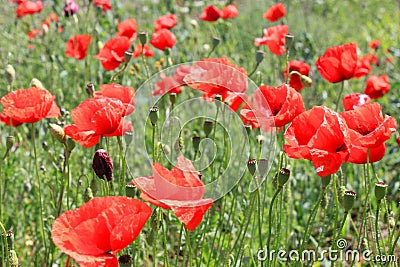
column 102, row 165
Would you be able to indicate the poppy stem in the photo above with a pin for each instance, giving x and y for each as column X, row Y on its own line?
column 394, row 244
column 146, row 67
column 39, row 188
column 377, row 227
column 153, row 142
column 254, row 70
column 119, row 72
column 5, row 248
column 271, row 206
column 339, row 96
column 189, row 246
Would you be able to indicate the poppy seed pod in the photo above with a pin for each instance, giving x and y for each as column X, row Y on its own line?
column 262, row 166
column 10, row 239
column 153, row 115
column 348, row 200
column 10, row 142
column 90, row 89
column 283, row 176
column 127, row 56
column 260, row 55
column 143, row 37
column 289, row 40
column 380, row 190
column 125, row 260
column 207, row 127
column 102, row 165
column 172, row 98
column 252, row 166
column 215, row 41
column 130, row 189
column 196, row 143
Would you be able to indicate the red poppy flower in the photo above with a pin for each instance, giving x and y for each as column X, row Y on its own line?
column 180, row 190
column 301, row 67
column 338, row 63
column 274, row 38
column 229, row 12
column 125, row 94
column 30, row 105
column 319, row 135
column 369, row 122
column 216, row 75
column 374, row 44
column 181, row 72
column 377, row 86
column 353, row 101
column 28, row 8
column 398, row 141
column 163, row 39
column 9, row 121
column 97, row 117
column 77, row 46
column 104, row 4
column 275, row 12
column 165, row 22
column 363, row 67
column 274, row 107
column 232, row 99
column 112, row 54
column 210, row 13
column 359, row 154
column 167, row 85
column 138, row 51
column 128, row 28
column 93, row 233
column 33, row 33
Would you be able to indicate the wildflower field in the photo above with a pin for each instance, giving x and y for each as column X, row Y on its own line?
column 199, row 133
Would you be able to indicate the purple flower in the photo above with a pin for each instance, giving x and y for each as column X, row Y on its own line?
column 102, row 164
column 70, row 8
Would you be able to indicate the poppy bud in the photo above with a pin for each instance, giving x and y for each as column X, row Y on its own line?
column 70, row 144
column 102, row 165
column 36, row 83
column 143, row 38
column 306, row 81
column 207, row 127
column 10, row 142
column 260, row 55
column 260, row 139
column 288, row 40
column 10, row 239
column 172, row 98
column 179, row 144
column 380, row 190
column 130, row 189
column 88, row 194
column 128, row 138
column 196, row 143
column 348, row 200
column 262, row 166
column 13, row 258
column 153, row 115
column 166, row 149
column 90, row 89
column 58, row 133
column 283, row 176
column 127, row 56
column 125, row 260
column 215, row 41
column 10, row 74
column 252, row 166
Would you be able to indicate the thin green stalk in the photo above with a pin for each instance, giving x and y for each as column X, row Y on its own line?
column 39, row 188
column 153, row 142
column 340, row 228
column 392, row 245
column 146, row 67
column 339, row 96
column 118, row 72
column 62, row 182
column 254, row 70
column 164, row 229
column 4, row 257
column 270, row 218
column 121, row 186
column 189, row 247
column 259, row 221
column 377, row 227
column 179, row 244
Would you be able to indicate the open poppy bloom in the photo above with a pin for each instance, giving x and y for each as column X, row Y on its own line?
column 363, row 66
column 97, row 117
column 229, row 12
column 77, row 46
column 104, row 4
column 8, row 121
column 374, row 44
column 216, row 75
column 319, row 135
column 162, row 39
column 167, row 85
column 128, row 28
column 274, row 107
column 112, row 54
column 30, row 105
column 28, row 8
column 353, row 101
column 146, row 51
column 165, row 22
column 368, row 121
column 295, row 80
column 274, row 38
column 93, row 233
column 210, row 13
column 338, row 63
column 359, row 154
column 275, row 12
column 179, row 190
column 377, row 86
column 181, row 72
column 119, row 92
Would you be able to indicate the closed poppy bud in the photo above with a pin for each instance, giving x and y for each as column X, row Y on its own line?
column 58, row 133
column 102, row 165
column 215, row 41
column 283, row 176
column 153, row 115
column 262, row 166
column 143, row 37
column 10, row 142
column 252, row 166
column 90, row 89
column 130, row 189
column 380, row 190
column 207, row 127
column 260, row 55
column 36, row 83
column 348, row 200
column 88, row 195
column 13, row 258
column 127, row 56
column 125, row 260
column 172, row 98
column 10, row 74
column 196, row 143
